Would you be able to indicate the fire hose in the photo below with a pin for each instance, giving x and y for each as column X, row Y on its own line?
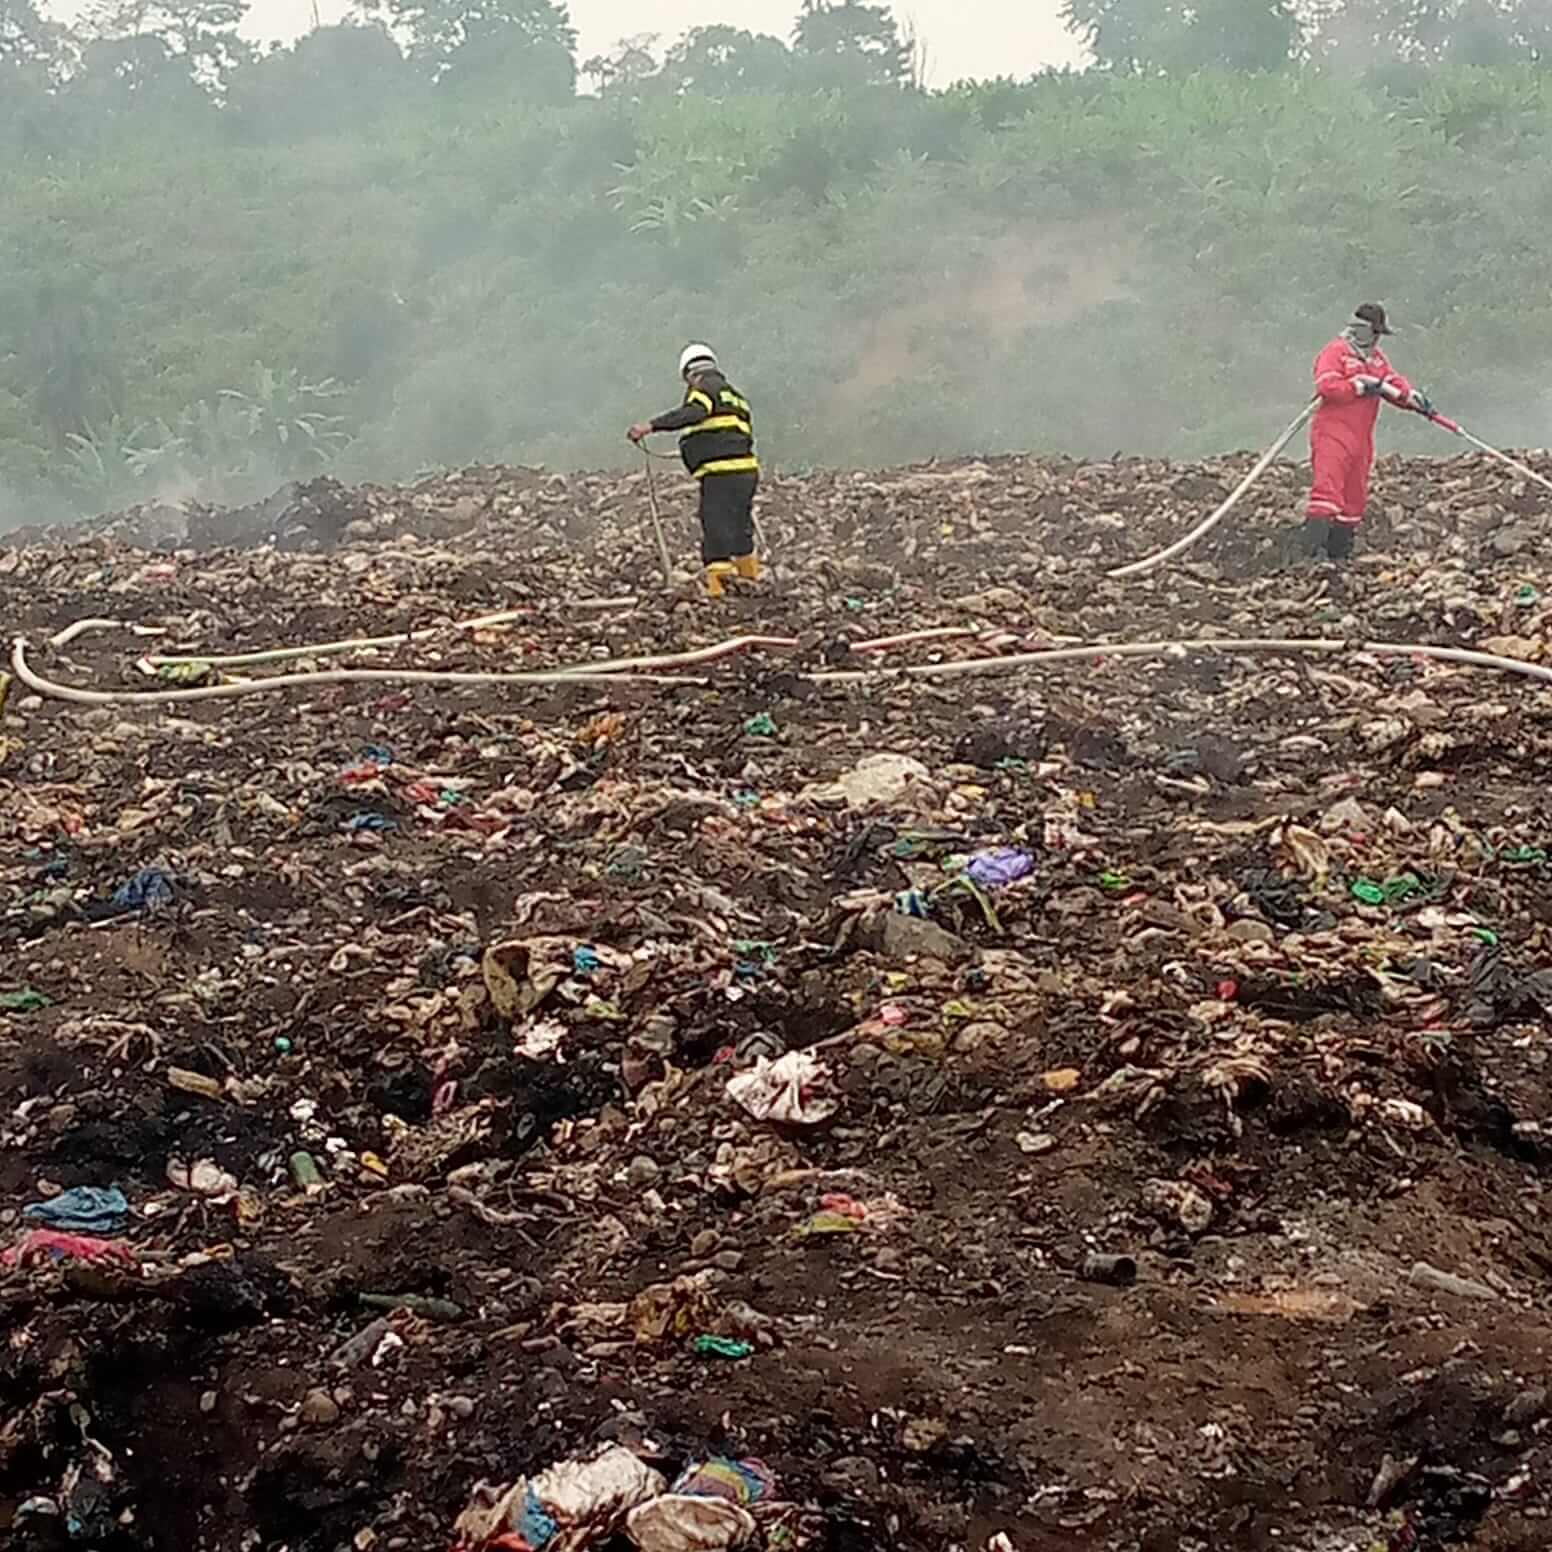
column 1052, row 656
column 323, row 648
column 1206, row 526
column 1175, row 649
column 728, row 648
column 35, row 682
column 634, row 670
column 1456, row 429
column 603, row 667
column 657, row 519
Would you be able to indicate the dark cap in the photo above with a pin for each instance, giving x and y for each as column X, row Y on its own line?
column 1372, row 313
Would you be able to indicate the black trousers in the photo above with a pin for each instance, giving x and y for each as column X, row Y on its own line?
column 727, row 516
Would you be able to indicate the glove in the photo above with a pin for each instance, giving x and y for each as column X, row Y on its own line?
column 1421, row 403
column 1367, row 386
column 639, row 433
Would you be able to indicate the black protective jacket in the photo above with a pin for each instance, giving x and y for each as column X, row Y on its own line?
column 716, row 426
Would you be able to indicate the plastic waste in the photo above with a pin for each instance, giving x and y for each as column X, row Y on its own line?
column 541, row 1040
column 24, row 1000
column 204, row 1178
column 746, row 1481
column 927, row 841
column 827, row 1222
column 1179, row 1201
column 521, row 973
column 39, row 1246
column 1309, row 854
column 193, row 1083
column 149, row 890
column 876, row 780
column 363, row 1344
column 416, row 1304
column 1394, row 891
column 1100, row 1267
column 790, row 1089
column 82, row 1210
column 722, row 1347
column 673, row 1309
column 1000, row 866
column 762, row 725
column 678, row 1522
column 186, row 676
column 759, row 950
column 1523, row 856
column 1423, row 1275
column 572, row 1505
column 369, row 821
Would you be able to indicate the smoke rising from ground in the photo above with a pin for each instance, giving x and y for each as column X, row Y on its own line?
column 348, row 261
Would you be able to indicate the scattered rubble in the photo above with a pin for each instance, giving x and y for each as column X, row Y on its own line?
column 1102, row 1106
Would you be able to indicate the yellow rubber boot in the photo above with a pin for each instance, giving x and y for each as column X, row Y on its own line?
column 718, row 574
column 748, row 567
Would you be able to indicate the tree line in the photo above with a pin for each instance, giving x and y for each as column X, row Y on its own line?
column 1163, row 37
column 434, row 234
column 157, row 56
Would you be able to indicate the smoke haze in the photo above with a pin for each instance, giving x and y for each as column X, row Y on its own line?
column 336, row 257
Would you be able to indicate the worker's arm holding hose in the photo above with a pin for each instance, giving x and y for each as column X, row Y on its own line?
column 696, row 407
column 1405, row 397
column 1394, row 386
column 1332, row 380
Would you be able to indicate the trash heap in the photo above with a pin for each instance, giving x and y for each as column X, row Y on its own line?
column 779, row 1101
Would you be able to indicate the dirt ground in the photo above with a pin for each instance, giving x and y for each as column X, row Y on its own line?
column 1268, row 1014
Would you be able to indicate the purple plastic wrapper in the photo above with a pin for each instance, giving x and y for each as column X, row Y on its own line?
column 1002, row 865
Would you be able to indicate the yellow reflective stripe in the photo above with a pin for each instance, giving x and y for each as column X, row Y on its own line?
column 749, row 465
column 721, row 423
column 695, row 396
column 727, row 396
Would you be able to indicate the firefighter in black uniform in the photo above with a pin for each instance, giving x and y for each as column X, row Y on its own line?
column 717, row 444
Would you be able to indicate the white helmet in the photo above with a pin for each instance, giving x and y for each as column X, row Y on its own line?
column 691, row 354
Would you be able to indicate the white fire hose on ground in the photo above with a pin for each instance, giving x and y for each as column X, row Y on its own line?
column 1206, row 526
column 1051, row 657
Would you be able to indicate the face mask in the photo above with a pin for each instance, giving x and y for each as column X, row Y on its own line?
column 1362, row 335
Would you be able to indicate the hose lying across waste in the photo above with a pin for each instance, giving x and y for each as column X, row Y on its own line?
column 631, row 670
column 1206, row 526
column 217, row 660
column 1206, row 645
column 333, row 648
column 326, row 648
column 84, row 627
column 1047, row 657
column 1455, row 428
column 613, row 665
column 215, row 692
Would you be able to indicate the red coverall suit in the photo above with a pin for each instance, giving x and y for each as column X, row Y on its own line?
column 1342, row 432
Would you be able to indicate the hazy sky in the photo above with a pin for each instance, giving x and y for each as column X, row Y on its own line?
column 963, row 37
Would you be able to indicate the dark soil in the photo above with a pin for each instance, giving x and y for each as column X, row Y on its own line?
column 1177, row 1039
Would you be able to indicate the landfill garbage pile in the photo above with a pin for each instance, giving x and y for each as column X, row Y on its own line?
column 771, row 1099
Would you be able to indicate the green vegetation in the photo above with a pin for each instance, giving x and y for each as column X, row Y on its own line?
column 224, row 270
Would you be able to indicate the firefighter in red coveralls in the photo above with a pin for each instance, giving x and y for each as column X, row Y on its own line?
column 1352, row 376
